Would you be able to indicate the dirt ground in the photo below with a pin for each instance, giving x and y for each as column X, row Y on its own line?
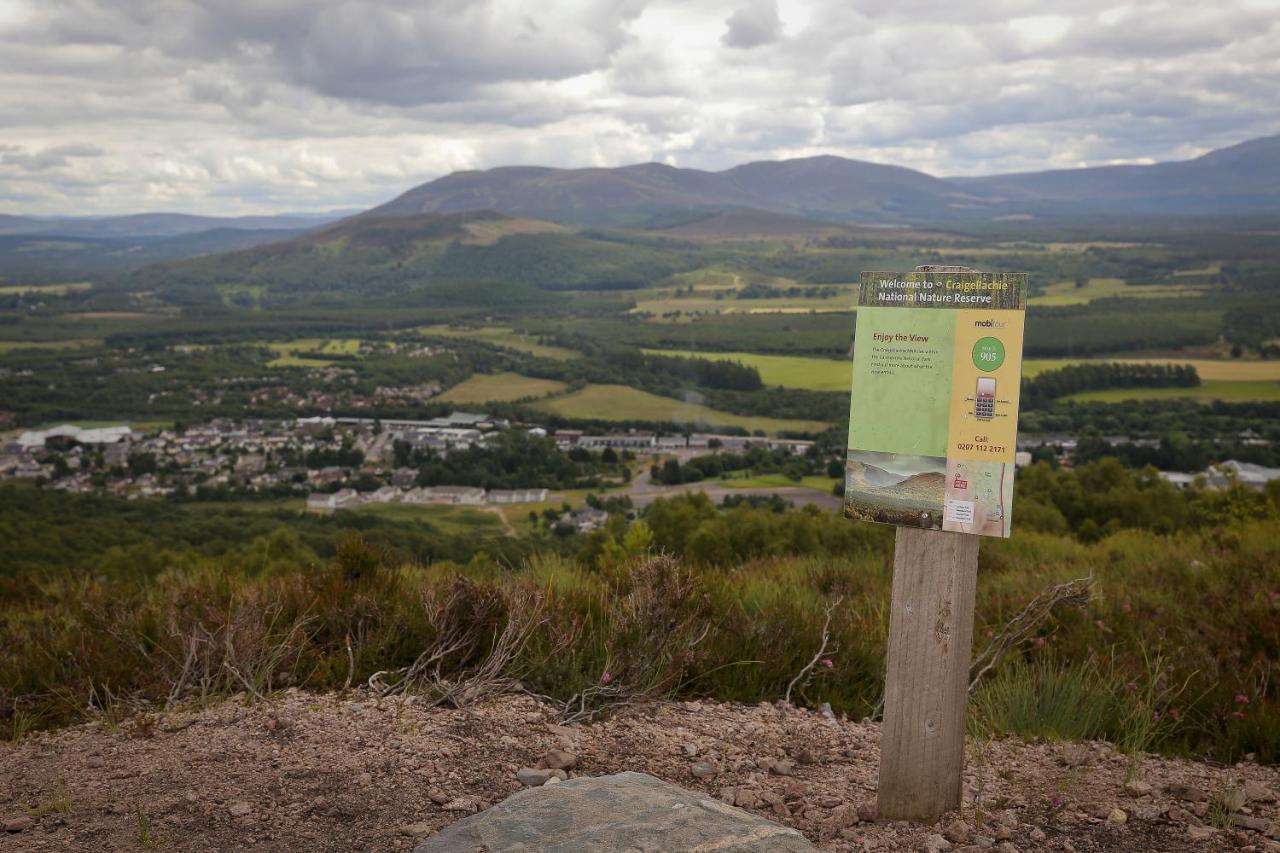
column 302, row 772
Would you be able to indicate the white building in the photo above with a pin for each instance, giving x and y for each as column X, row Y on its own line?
column 517, row 496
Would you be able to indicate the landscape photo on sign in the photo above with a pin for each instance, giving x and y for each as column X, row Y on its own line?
column 933, row 414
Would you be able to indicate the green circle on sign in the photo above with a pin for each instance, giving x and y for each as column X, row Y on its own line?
column 988, row 354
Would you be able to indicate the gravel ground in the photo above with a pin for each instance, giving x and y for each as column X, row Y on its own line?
column 337, row 773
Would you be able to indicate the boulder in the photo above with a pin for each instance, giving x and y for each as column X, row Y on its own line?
column 623, row 812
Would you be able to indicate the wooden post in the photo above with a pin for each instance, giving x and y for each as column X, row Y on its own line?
column 927, row 678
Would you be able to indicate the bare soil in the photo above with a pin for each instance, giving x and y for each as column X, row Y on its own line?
column 304, row 772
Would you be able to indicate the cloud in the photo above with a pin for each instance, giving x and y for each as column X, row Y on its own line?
column 228, row 106
column 753, row 25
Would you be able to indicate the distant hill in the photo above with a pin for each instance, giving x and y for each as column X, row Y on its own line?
column 471, row 256
column 159, row 224
column 1242, row 179
column 863, row 475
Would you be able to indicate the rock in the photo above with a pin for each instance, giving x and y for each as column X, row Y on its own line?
column 986, row 842
column 1037, row 834
column 240, row 809
column 1244, row 821
column 1201, row 833
column 933, row 843
column 868, row 812
column 783, row 767
column 1006, row 847
column 1177, row 814
column 437, row 796
column 703, row 770
column 1187, row 793
column 610, row 814
column 532, row 777
column 558, row 759
column 1117, row 816
column 1137, row 788
column 957, row 832
column 415, row 829
column 21, row 823
column 463, row 804
column 1256, row 792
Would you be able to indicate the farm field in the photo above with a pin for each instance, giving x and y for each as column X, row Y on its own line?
column 501, row 336
column 815, row 374
column 500, row 388
column 290, row 353
column 621, row 403
column 50, row 289
column 1233, row 392
column 446, row 519
column 775, row 481
column 1066, row 292
column 1209, row 369
column 74, row 343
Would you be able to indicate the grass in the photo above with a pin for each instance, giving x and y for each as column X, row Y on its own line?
column 72, row 343
column 310, row 352
column 1233, row 370
column 502, row 336
column 1066, row 292
column 1206, row 392
column 789, row 371
column 136, row 426
column 51, row 289
column 663, row 302
column 447, row 519
column 621, row 403
column 500, row 388
column 779, row 481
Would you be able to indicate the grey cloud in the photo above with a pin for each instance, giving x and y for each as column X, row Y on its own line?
column 753, row 25
column 46, row 158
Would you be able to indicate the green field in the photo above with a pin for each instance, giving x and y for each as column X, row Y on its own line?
column 1066, row 292
column 789, row 371
column 446, row 519
column 1209, row 369
column 297, row 353
column 500, row 388
column 51, row 289
column 75, row 343
column 501, row 336
column 621, row 403
column 778, row 481
column 1207, row 392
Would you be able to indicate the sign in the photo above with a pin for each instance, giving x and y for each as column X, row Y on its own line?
column 933, row 421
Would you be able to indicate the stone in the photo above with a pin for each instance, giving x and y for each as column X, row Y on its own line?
column 1187, row 793
column 868, row 812
column 1037, row 834
column 986, row 842
column 610, row 814
column 1201, row 833
column 934, row 843
column 1249, row 822
column 21, row 823
column 957, row 832
column 558, row 759
column 240, row 809
column 703, row 770
column 1256, row 792
column 783, row 767
column 414, row 830
column 1177, row 814
column 1137, row 788
column 1117, row 816
column 437, row 796
column 1006, row 847
column 532, row 777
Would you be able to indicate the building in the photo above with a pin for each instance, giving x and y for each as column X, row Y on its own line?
column 587, row 519
column 327, row 503
column 567, row 438
column 635, row 440
column 67, row 434
column 470, row 495
column 517, row 496
column 672, row 442
column 386, row 495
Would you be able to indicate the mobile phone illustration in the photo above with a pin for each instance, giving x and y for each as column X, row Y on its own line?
column 984, row 399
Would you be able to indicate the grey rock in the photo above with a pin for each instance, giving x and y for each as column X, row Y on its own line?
column 623, row 812
column 532, row 777
column 1137, row 788
column 704, row 770
column 1187, row 793
column 783, row 767
column 1257, row 792
column 1244, row 821
column 934, row 843
column 957, row 832
column 240, row 808
column 984, row 841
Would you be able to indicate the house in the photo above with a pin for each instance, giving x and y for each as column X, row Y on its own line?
column 386, row 495
column 537, row 432
column 470, row 495
column 672, row 442
column 327, row 503
column 420, row 495
column 517, row 496
column 636, row 439
column 315, row 425
column 404, row 477
column 587, row 519
column 566, row 438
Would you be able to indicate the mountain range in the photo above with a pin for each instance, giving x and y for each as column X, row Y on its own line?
column 1242, row 179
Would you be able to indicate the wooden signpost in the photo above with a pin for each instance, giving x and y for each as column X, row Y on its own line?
column 932, row 427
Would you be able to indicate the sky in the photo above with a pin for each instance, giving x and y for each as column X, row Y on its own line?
column 256, row 106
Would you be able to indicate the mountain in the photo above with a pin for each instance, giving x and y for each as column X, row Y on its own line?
column 1242, row 179
column 159, row 224
column 863, row 475
column 442, row 256
column 826, row 188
